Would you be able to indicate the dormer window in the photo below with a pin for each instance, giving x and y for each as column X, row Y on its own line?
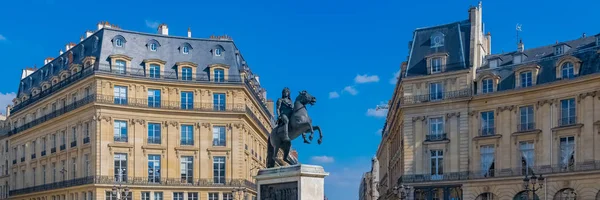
column 217, row 52
column 495, row 62
column 519, row 57
column 153, row 47
column 526, row 79
column 436, row 65
column 119, row 42
column 561, row 48
column 487, row 85
column 186, row 50
column 558, row 50
column 437, row 40
column 567, row 67
column 567, row 70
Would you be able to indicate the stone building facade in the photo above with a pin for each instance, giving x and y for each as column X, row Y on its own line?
column 472, row 125
column 169, row 117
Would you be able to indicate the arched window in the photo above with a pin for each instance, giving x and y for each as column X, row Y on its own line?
column 153, row 47
column 487, row 196
column 525, row 195
column 186, row 50
column 119, row 42
column 487, row 85
column 567, row 70
column 437, row 40
column 217, row 52
column 565, row 194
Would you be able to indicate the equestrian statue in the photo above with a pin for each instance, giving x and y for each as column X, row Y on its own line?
column 292, row 122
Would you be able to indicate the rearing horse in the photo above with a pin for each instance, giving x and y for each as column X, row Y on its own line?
column 300, row 124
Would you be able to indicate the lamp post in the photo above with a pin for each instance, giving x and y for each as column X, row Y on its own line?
column 401, row 191
column 120, row 192
column 532, row 185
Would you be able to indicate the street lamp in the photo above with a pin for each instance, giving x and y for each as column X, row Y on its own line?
column 120, row 192
column 401, row 191
column 532, row 185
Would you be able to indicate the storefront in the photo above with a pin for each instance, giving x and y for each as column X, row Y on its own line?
column 446, row 192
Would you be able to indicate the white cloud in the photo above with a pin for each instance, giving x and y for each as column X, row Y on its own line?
column 152, row 24
column 322, row 159
column 366, row 79
column 2, row 38
column 5, row 100
column 351, row 90
column 394, row 79
column 373, row 112
column 334, row 95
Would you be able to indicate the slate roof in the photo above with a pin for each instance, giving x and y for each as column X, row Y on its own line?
column 456, row 44
column 584, row 48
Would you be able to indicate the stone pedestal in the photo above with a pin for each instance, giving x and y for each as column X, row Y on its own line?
column 296, row 182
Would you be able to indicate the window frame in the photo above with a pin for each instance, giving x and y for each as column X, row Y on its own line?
column 187, row 135
column 121, row 170
column 436, row 164
column 154, row 135
column 187, row 100
column 187, row 169
column 487, row 87
column 436, row 94
column 219, row 138
column 154, row 175
column 219, row 166
column 122, row 134
column 219, row 101
column 524, row 75
column 154, row 98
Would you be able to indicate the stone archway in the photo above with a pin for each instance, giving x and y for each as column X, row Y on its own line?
column 487, row 196
column 565, row 194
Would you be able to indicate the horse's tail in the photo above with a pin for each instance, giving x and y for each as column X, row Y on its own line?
column 270, row 154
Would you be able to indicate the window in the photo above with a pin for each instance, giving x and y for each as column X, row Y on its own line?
column 218, row 52
column 154, row 133
column 86, row 130
column 437, row 164
column 73, row 134
column 187, row 167
column 436, row 91
column 63, row 139
column 43, row 174
column 86, row 167
column 154, row 71
column 487, row 85
column 219, row 169
column 120, row 67
column 187, row 135
column 567, row 70
column 154, row 169
column 487, row 123
column 527, row 157
column 74, row 168
column 158, row 196
column 120, row 167
column 177, row 195
column 568, row 114
column 192, row 196
column 567, row 152
column 213, row 196
column 219, row 101
column 494, row 63
column 526, row 79
column 145, row 195
column 437, row 40
column 558, row 50
column 187, row 100
column 219, row 136
column 119, row 42
column 109, row 195
column 33, row 147
column 153, row 47
column 153, row 98
column 219, row 75
column 436, row 65
column 436, row 129
column 120, row 131
column 33, row 175
column 228, row 196
column 186, row 73
column 527, row 122
column 186, row 50
column 53, row 172
column 120, row 95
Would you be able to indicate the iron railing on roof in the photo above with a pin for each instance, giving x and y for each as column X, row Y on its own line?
column 433, row 97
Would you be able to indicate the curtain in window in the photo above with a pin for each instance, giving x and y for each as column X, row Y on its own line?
column 566, row 153
column 487, row 159
column 527, row 157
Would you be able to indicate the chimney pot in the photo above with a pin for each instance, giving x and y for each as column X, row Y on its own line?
column 88, row 33
column 189, row 32
column 163, row 29
column 60, row 52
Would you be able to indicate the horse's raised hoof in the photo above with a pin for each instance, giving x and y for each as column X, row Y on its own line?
column 310, row 137
column 320, row 141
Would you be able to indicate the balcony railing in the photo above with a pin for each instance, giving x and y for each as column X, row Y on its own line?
column 43, row 153
column 187, row 142
column 526, row 126
column 53, row 150
column 567, row 121
column 74, row 144
column 487, row 131
column 63, row 147
column 120, row 138
column 436, row 137
column 33, row 156
column 154, row 140
column 507, row 172
column 86, row 140
column 132, row 181
column 436, row 96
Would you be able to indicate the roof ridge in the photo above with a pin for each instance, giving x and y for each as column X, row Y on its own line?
column 440, row 25
column 538, row 47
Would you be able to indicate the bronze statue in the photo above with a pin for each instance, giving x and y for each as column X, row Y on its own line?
column 284, row 111
column 298, row 123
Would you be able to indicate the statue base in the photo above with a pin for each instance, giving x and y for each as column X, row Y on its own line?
column 296, row 182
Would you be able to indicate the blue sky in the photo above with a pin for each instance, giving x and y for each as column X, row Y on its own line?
column 352, row 48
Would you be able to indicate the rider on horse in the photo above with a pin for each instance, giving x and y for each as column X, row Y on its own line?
column 284, row 112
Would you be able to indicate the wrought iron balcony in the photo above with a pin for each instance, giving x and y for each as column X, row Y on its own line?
column 154, row 140
column 567, row 121
column 436, row 96
column 187, row 142
column 53, row 150
column 63, row 147
column 120, row 138
column 86, row 140
column 43, row 153
column 487, row 131
column 74, row 144
column 522, row 127
column 172, row 105
column 33, row 156
column 436, row 137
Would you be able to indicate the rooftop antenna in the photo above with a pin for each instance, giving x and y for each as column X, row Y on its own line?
column 518, row 29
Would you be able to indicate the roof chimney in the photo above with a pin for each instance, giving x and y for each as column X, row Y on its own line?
column 163, row 29
column 69, row 46
column 189, row 32
column 60, row 52
column 48, row 60
column 100, row 25
column 583, row 35
column 521, row 46
column 88, row 33
column 81, row 39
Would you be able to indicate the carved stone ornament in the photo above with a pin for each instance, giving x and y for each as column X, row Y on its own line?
column 584, row 95
column 206, row 124
column 106, row 118
column 418, row 118
column 140, row 121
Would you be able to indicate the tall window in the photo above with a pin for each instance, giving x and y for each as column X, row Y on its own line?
column 568, row 115
column 154, row 71
column 120, row 167
column 186, row 73
column 436, row 65
column 187, row 135
column 437, row 164
column 436, row 91
column 567, row 152
column 177, row 195
column 219, row 101
column 120, row 95
column 120, row 131
column 73, row 134
column 154, row 169
column 567, row 70
column 53, row 172
column 527, row 157
column 33, row 150
column 526, row 79
column 187, row 100
column 63, row 139
column 145, row 195
column 219, row 169
column 487, row 123
column 192, row 196
column 154, row 133
column 153, row 98
column 219, row 136
column 86, row 164
column 526, row 122
column 120, row 67
column 187, row 167
column 228, row 196
column 487, row 85
column 53, row 140
column 43, row 174
column 86, row 130
column 74, row 168
column 219, row 75
column 158, row 196
column 436, row 129
column 213, row 196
